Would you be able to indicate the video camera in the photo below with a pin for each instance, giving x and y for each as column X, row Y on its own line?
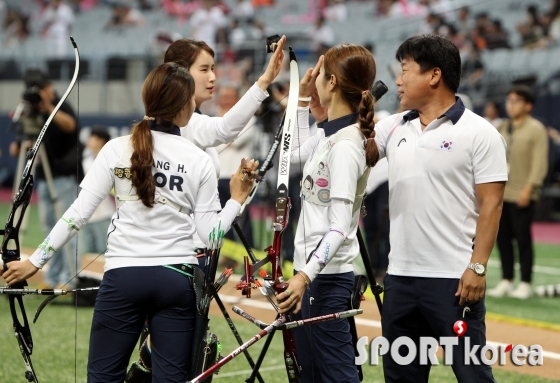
column 35, row 80
column 31, row 122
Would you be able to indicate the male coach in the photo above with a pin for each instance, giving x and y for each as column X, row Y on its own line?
column 447, row 171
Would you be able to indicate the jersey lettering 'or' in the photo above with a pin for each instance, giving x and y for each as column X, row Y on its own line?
column 173, row 181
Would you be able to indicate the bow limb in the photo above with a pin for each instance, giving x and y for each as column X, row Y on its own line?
column 10, row 249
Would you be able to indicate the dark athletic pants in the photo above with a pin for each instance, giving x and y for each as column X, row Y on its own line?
column 126, row 297
column 325, row 350
column 515, row 224
column 415, row 307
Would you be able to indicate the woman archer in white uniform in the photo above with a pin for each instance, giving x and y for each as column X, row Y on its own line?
column 337, row 155
column 166, row 190
column 208, row 132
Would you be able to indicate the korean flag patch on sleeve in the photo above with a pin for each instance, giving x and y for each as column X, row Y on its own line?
column 446, row 145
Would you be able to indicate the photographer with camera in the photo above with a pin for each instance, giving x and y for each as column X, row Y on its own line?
column 59, row 165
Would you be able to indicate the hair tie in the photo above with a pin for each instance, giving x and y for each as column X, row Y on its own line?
column 146, row 118
column 371, row 139
column 365, row 91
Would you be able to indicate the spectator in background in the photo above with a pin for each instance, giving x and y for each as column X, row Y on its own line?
column 443, row 8
column 57, row 21
column 496, row 36
column 451, row 33
column 206, row 23
column 124, row 16
column 243, row 10
column 262, row 3
column 472, row 71
column 322, row 37
column 15, row 27
column 223, row 6
column 93, row 236
column 554, row 30
column 258, row 30
column 382, row 7
column 180, row 9
column 236, row 35
column 430, row 25
column 335, row 11
column 406, row 8
column 527, row 156
column 159, row 44
column 478, row 38
column 493, row 113
column 232, row 153
column 464, row 22
column 531, row 31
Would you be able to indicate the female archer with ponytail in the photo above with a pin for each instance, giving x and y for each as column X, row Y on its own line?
column 165, row 189
column 326, row 243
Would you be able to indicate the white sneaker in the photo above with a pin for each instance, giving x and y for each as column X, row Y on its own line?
column 523, row 291
column 502, row 289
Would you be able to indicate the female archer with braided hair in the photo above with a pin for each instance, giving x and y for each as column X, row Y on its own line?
column 165, row 189
column 326, row 243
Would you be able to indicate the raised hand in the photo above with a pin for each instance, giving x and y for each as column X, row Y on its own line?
column 242, row 180
column 274, row 66
column 307, row 88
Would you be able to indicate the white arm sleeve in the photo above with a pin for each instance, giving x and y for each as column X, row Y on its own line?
column 207, row 132
column 340, row 217
column 66, row 228
column 305, row 137
column 206, row 221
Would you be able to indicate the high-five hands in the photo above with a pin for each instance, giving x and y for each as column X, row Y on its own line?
column 274, row 65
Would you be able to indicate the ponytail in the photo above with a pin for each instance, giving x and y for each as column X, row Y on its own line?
column 168, row 89
column 367, row 125
column 142, row 160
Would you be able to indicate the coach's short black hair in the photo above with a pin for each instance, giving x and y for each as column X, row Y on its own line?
column 431, row 51
column 523, row 91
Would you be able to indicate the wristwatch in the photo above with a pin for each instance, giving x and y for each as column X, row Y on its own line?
column 478, row 268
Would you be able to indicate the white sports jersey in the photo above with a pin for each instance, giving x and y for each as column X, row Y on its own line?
column 432, row 197
column 346, row 163
column 207, row 132
column 138, row 235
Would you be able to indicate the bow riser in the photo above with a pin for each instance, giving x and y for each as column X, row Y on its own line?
column 11, row 234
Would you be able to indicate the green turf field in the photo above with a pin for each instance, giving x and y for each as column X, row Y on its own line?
column 61, row 335
column 61, row 341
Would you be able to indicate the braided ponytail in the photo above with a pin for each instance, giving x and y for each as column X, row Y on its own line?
column 367, row 125
column 354, row 68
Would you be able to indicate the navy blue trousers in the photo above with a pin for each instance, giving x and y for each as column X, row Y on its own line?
column 126, row 297
column 427, row 307
column 325, row 350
